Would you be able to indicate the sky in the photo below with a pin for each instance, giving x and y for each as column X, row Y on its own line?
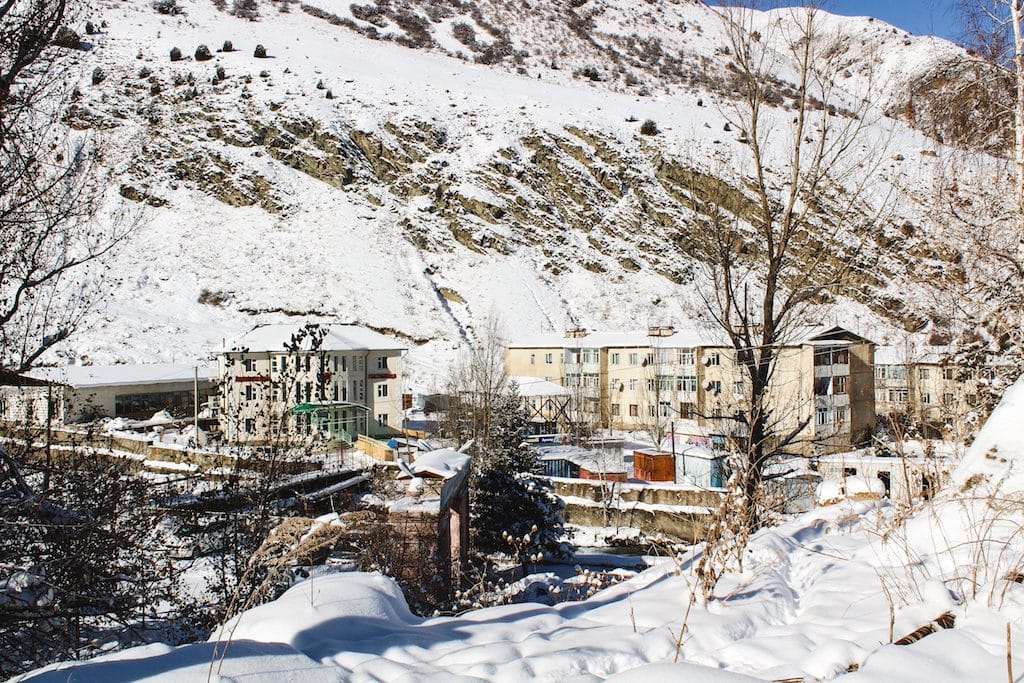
column 920, row 17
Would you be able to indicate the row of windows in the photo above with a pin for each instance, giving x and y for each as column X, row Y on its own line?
column 301, row 423
column 686, row 411
column 948, row 373
column 309, row 362
column 661, row 357
column 304, row 391
column 828, row 416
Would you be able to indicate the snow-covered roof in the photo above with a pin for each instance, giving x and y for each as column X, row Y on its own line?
column 338, row 338
column 594, row 461
column 906, row 354
column 535, row 386
column 687, row 337
column 85, row 376
column 683, row 338
column 442, row 464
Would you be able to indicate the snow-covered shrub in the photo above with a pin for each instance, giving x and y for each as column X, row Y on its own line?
column 166, row 6
column 649, row 127
column 245, row 9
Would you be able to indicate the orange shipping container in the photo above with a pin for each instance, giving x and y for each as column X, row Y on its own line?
column 654, row 466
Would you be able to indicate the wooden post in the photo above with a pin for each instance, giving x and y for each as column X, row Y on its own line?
column 1009, row 655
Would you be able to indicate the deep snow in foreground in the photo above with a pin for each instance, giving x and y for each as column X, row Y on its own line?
column 811, row 602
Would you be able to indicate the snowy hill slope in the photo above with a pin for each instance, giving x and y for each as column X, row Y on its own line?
column 430, row 191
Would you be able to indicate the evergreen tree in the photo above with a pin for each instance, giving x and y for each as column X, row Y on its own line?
column 513, row 513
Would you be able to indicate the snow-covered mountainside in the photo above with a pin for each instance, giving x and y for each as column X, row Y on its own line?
column 418, row 166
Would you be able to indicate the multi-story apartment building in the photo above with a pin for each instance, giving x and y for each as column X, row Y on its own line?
column 278, row 380
column 647, row 381
column 925, row 385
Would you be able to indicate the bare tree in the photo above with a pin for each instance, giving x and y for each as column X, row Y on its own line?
column 51, row 187
column 780, row 244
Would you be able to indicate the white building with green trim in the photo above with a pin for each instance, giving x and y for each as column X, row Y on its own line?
column 327, row 382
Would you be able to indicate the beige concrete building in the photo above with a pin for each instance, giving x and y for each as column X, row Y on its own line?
column 275, row 383
column 646, row 381
column 80, row 393
column 924, row 385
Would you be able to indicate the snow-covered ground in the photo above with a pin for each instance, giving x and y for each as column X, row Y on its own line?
column 819, row 597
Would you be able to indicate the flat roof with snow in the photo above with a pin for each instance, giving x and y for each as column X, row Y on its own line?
column 85, row 376
column 338, row 338
column 535, row 386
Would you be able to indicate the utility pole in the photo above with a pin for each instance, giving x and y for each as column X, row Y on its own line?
column 195, row 404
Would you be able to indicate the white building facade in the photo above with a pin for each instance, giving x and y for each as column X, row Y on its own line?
column 330, row 382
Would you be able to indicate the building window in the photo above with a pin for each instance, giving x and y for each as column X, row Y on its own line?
column 615, row 409
column 572, row 356
column 382, row 362
column 664, row 408
column 358, row 363
column 948, row 373
column 548, row 358
column 533, row 359
column 615, row 358
column 307, row 362
column 308, row 390
column 839, row 383
column 839, row 415
column 633, row 384
column 250, row 426
column 634, row 411
column 879, row 372
column 924, row 373
column 713, row 359
column 382, row 390
column 344, row 363
column 250, row 393
column 926, row 399
column 895, row 371
column 634, row 359
column 737, row 388
column 273, row 364
column 821, row 416
column 947, row 399
column 650, row 384
column 898, row 395
column 652, row 411
column 685, row 356
column 687, row 411
column 832, row 355
column 591, row 356
column 715, row 387
column 649, row 359
column 360, row 389
column 382, row 420
column 591, row 380
column 249, row 364
column 687, row 383
column 665, row 382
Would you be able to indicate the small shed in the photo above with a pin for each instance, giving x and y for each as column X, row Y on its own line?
column 652, row 465
column 438, row 498
column 701, row 466
column 574, row 462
